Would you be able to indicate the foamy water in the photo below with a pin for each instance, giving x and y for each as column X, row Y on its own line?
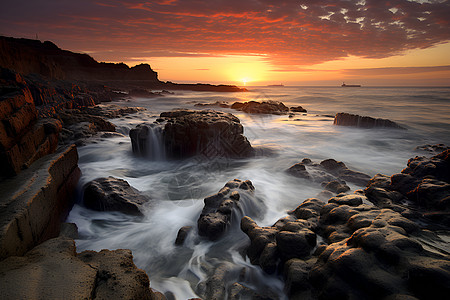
column 177, row 188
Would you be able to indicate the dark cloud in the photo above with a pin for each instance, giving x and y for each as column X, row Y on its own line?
column 288, row 31
column 395, row 70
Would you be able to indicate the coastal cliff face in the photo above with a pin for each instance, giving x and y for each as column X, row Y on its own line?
column 45, row 58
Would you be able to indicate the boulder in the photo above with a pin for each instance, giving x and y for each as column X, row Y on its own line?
column 188, row 132
column 290, row 237
column 216, row 214
column 298, row 109
column 332, row 172
column 113, row 194
column 346, row 119
column 264, row 107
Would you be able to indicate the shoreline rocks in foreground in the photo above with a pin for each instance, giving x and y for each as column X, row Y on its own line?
column 186, row 133
column 346, row 119
column 424, row 185
column 368, row 252
column 53, row 270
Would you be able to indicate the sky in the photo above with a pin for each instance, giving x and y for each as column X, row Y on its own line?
column 251, row 42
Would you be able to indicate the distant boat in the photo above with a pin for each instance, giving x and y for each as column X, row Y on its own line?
column 275, row 85
column 350, row 85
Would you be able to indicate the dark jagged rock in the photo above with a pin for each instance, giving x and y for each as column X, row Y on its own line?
column 290, row 237
column 216, row 214
column 298, row 109
column 346, row 119
column 336, row 186
column 434, row 149
column 264, row 107
column 188, row 132
column 424, row 183
column 32, row 56
column 112, row 194
column 182, row 235
column 23, row 138
column 369, row 252
column 328, row 170
column 222, row 104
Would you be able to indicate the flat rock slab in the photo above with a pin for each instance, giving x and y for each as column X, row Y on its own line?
column 49, row 271
column 53, row 270
column 33, row 203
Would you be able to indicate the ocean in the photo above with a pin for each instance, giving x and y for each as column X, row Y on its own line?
column 177, row 188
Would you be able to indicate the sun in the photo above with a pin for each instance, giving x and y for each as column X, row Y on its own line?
column 245, row 80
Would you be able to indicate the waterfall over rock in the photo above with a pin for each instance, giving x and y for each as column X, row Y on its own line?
column 148, row 141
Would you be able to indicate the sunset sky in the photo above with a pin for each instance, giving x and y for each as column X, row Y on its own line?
column 369, row 42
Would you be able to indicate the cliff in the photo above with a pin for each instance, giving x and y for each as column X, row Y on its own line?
column 27, row 56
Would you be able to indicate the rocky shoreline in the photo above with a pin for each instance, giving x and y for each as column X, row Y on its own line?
column 370, row 244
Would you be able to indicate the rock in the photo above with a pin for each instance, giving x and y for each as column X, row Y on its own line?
column 434, row 149
column 424, row 183
column 49, row 271
column 328, row 170
column 290, row 237
column 113, row 194
column 222, row 104
column 216, row 214
column 69, row 230
column 264, row 107
column 188, row 133
column 140, row 93
column 298, row 109
column 182, row 235
column 117, row 275
column 346, row 119
column 336, row 186
column 53, row 270
column 299, row 170
column 23, row 139
column 148, row 141
column 214, row 286
column 350, row 200
column 34, row 202
column 45, row 58
column 296, row 273
column 371, row 238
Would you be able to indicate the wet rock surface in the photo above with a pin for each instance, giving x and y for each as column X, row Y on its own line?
column 290, row 237
column 264, row 107
column 332, row 173
column 346, row 119
column 113, row 194
column 216, row 214
column 422, row 189
column 187, row 133
column 367, row 252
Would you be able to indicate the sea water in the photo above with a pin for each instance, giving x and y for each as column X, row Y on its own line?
column 177, row 188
